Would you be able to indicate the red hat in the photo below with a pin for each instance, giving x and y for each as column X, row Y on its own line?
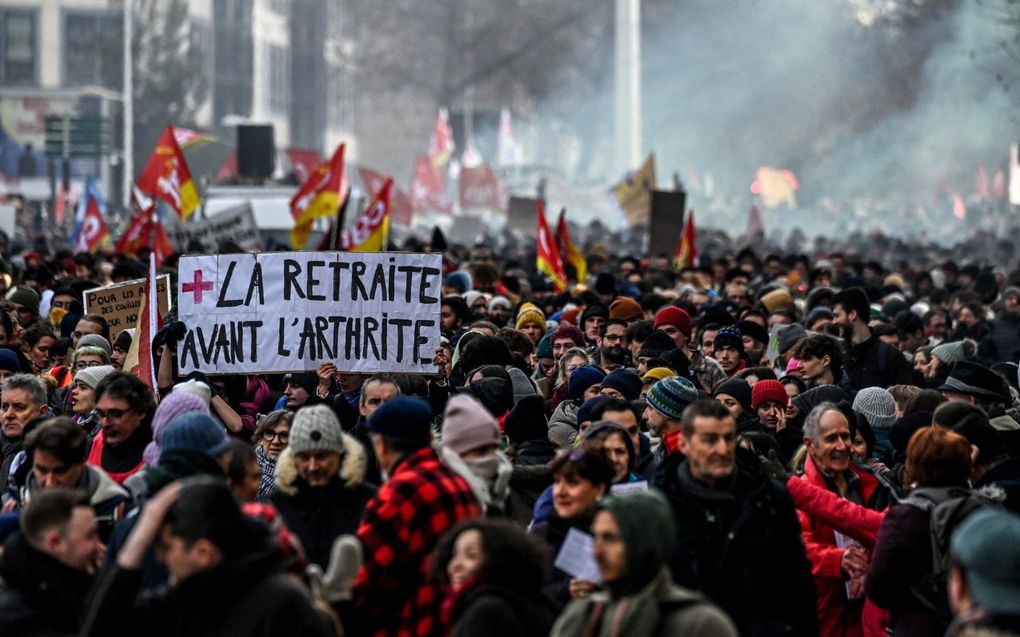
column 675, row 316
column 625, row 308
column 570, row 316
column 768, row 390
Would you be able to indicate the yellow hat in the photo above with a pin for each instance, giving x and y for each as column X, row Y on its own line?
column 657, row 374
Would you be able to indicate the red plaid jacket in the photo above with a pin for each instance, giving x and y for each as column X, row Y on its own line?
column 401, row 526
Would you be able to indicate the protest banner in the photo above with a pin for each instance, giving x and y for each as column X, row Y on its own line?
column 119, row 303
column 291, row 311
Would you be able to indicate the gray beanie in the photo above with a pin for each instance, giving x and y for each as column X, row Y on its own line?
column 316, row 428
column 950, row 353
column 95, row 340
column 877, row 405
column 521, row 384
column 92, row 376
column 788, row 335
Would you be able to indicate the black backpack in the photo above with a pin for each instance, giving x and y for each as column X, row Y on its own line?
column 947, row 507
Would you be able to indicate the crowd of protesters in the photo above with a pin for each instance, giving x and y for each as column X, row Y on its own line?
column 769, row 444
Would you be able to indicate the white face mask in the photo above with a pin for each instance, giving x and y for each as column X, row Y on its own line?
column 486, row 468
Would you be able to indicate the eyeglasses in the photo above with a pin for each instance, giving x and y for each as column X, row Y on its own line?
column 112, row 414
column 574, row 368
column 86, row 364
column 269, row 435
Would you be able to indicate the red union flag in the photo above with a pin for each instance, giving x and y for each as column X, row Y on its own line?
column 547, row 256
column 429, row 190
column 166, row 176
column 481, row 188
column 401, row 209
column 303, row 162
column 686, row 255
column 319, row 197
column 90, row 227
column 371, row 230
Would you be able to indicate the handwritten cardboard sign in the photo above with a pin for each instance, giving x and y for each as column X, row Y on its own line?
column 119, row 303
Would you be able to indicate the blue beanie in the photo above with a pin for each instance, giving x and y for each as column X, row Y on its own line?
column 670, row 396
column 583, row 378
column 584, row 411
column 624, row 381
column 402, row 417
column 9, row 361
column 195, row 431
column 459, row 280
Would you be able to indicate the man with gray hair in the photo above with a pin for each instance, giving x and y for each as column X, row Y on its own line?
column 22, row 400
column 836, row 562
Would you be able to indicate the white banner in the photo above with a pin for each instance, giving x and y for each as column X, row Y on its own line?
column 291, row 311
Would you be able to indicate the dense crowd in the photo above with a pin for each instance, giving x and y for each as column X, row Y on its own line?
column 764, row 445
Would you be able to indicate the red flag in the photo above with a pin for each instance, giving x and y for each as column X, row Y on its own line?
column 401, row 209
column 441, row 144
column 371, row 231
column 547, row 256
column 686, row 254
column 166, row 176
column 755, row 226
column 319, row 197
column 568, row 251
column 481, row 188
column 137, row 235
column 429, row 190
column 146, row 231
column 161, row 246
column 303, row 162
column 90, row 227
column 229, row 168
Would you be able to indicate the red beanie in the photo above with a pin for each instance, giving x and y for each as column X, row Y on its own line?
column 768, row 390
column 675, row 316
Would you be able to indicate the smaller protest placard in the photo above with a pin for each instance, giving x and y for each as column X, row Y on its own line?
column 119, row 303
column 576, row 557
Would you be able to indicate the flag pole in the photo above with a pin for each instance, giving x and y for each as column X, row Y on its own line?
column 339, row 222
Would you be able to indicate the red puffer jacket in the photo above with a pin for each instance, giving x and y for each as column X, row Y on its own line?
column 836, row 616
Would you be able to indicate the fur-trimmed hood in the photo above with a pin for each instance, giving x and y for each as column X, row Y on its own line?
column 352, row 469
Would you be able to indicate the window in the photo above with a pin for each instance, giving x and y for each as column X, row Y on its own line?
column 99, row 32
column 17, row 46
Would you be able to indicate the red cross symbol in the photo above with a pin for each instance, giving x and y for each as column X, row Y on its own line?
column 197, row 286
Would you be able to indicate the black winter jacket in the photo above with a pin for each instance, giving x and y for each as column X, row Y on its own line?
column 241, row 597
column 43, row 597
column 741, row 547
column 498, row 611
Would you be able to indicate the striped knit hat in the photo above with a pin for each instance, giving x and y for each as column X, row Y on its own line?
column 670, row 396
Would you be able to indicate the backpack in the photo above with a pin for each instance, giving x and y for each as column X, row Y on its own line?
column 946, row 507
